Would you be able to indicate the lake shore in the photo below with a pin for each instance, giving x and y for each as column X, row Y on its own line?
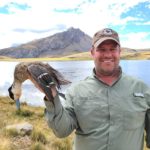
column 125, row 55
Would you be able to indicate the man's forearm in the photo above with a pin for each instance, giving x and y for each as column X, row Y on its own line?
column 60, row 119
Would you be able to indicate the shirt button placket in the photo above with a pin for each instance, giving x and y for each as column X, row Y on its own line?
column 111, row 122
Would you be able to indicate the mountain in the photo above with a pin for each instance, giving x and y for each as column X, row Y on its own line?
column 60, row 44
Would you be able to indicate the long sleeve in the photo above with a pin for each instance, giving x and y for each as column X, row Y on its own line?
column 147, row 128
column 61, row 119
column 147, row 116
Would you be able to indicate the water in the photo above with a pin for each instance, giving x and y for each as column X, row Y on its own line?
column 72, row 70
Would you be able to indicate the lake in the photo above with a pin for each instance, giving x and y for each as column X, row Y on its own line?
column 72, row 70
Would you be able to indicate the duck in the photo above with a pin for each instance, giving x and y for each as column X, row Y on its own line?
column 22, row 73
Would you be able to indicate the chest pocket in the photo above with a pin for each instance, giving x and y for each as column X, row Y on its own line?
column 133, row 120
column 91, row 112
column 132, row 109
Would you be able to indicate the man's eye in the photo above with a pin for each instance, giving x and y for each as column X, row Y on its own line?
column 112, row 49
column 101, row 49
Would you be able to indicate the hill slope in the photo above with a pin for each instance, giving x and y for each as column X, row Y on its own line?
column 60, row 44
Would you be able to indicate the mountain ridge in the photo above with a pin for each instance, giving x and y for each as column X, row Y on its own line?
column 59, row 44
column 69, row 42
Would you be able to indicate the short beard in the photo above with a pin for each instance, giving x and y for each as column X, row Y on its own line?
column 112, row 73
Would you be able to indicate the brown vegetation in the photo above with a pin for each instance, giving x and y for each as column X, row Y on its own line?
column 41, row 138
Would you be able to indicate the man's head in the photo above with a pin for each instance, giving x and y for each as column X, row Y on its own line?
column 106, row 51
column 103, row 35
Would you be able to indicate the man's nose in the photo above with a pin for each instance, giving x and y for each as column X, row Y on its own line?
column 108, row 53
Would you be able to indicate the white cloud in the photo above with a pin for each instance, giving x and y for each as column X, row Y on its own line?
column 143, row 23
column 40, row 16
column 135, row 40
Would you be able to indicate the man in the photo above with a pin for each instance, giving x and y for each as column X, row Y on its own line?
column 107, row 109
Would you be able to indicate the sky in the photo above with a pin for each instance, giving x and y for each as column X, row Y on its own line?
column 22, row 21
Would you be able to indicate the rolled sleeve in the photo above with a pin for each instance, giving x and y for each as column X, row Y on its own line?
column 59, row 118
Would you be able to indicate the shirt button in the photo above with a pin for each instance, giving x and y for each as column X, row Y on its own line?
column 110, row 144
column 111, row 123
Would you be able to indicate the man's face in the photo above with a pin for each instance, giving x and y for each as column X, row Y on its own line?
column 106, row 57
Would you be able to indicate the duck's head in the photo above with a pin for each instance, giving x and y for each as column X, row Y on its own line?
column 11, row 94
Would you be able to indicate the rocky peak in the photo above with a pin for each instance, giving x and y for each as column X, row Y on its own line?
column 75, row 32
column 63, row 39
column 70, row 41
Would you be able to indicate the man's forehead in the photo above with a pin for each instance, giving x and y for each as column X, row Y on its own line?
column 107, row 42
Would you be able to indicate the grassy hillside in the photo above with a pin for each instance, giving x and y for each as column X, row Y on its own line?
column 126, row 54
column 41, row 137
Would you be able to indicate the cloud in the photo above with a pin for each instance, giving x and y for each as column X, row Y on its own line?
column 133, row 40
column 143, row 23
column 28, row 19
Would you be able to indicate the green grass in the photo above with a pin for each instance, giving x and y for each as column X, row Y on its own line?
column 38, row 136
column 11, row 133
column 41, row 138
column 37, row 146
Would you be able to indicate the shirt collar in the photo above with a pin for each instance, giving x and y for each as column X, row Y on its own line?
column 119, row 76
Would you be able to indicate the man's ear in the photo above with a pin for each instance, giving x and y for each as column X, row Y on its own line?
column 92, row 51
column 119, row 51
column 119, row 48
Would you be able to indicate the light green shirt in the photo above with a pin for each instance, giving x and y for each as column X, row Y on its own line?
column 103, row 117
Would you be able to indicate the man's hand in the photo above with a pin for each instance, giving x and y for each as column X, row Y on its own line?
column 47, row 85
